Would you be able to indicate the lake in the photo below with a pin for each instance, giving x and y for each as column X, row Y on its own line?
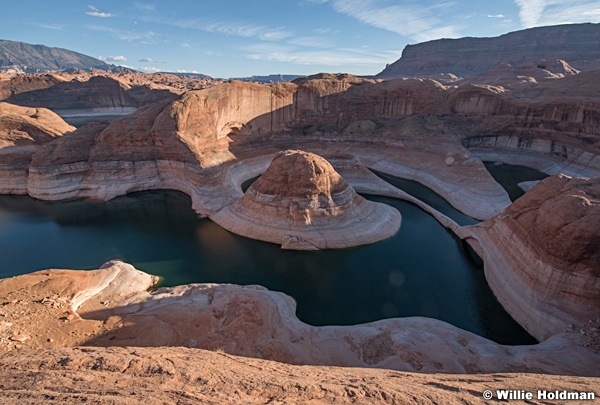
column 424, row 270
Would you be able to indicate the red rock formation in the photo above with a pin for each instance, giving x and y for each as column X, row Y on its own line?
column 542, row 255
column 113, row 306
column 301, row 202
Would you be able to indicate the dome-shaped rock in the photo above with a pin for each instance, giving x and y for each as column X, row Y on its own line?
column 302, row 203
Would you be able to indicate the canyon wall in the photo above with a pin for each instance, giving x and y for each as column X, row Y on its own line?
column 575, row 43
column 542, row 255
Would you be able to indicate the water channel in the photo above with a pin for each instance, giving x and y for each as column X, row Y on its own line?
column 424, row 270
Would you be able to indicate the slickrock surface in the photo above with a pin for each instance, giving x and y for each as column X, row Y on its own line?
column 28, row 126
column 301, row 202
column 542, row 255
column 113, row 307
column 22, row 131
column 192, row 376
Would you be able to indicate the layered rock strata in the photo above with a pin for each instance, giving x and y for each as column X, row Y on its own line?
column 542, row 255
column 301, row 202
column 113, row 307
column 191, row 143
column 22, row 131
column 576, row 43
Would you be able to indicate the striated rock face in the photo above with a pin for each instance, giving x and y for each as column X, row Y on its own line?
column 113, row 307
column 542, row 255
column 301, row 202
column 575, row 43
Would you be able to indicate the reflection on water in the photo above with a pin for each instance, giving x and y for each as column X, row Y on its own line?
column 422, row 271
column 428, row 196
column 509, row 176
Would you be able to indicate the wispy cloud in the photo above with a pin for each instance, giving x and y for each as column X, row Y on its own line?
column 150, row 69
column 47, row 26
column 534, row 13
column 495, row 15
column 150, row 60
column 417, row 22
column 312, row 42
column 145, row 6
column 132, row 36
column 97, row 13
column 117, row 58
column 236, row 28
column 334, row 58
column 530, row 11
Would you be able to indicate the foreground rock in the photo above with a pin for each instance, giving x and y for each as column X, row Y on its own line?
column 113, row 307
column 191, row 376
column 542, row 255
column 301, row 202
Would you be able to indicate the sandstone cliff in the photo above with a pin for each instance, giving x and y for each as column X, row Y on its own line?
column 542, row 255
column 575, row 43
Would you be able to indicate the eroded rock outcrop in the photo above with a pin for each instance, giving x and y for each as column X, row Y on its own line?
column 113, row 307
column 22, row 131
column 542, row 255
column 301, row 202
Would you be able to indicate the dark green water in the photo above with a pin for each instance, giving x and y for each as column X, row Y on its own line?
column 509, row 176
column 428, row 196
column 422, row 271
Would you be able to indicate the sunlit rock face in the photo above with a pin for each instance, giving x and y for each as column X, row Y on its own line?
column 301, row 202
column 542, row 255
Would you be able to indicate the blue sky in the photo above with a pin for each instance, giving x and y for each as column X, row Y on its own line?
column 234, row 38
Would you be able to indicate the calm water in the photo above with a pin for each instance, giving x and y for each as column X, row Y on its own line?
column 81, row 121
column 509, row 176
column 422, row 271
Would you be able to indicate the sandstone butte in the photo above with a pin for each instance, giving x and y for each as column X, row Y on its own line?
column 301, row 202
column 207, row 142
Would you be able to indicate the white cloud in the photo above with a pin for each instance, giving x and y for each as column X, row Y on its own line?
column 530, row 11
column 313, row 42
column 148, row 37
column 97, row 13
column 150, row 69
column 339, row 57
column 47, row 26
column 534, row 13
column 495, row 15
column 235, row 28
column 118, row 58
column 150, row 60
column 417, row 22
column 145, row 6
